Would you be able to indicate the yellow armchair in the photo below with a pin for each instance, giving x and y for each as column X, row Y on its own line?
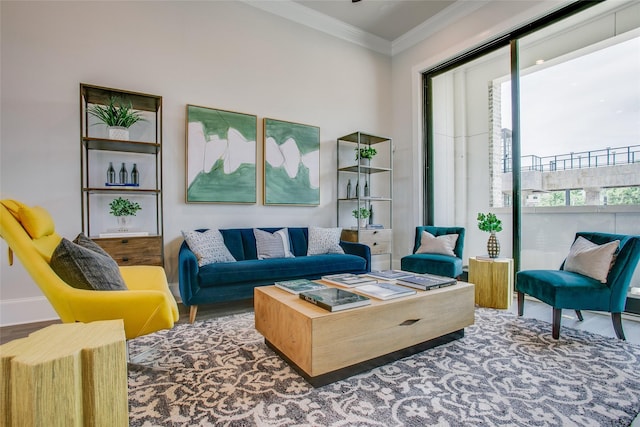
column 147, row 306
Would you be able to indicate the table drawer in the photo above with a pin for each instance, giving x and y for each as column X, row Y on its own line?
column 134, row 250
column 378, row 240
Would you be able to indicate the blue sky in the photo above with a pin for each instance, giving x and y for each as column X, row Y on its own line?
column 588, row 103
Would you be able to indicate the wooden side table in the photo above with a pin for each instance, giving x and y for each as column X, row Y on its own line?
column 494, row 281
column 71, row 374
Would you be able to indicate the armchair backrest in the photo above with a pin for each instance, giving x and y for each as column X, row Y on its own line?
column 439, row 231
column 34, row 250
column 626, row 260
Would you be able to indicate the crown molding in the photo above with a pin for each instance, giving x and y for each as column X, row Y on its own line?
column 306, row 16
column 436, row 23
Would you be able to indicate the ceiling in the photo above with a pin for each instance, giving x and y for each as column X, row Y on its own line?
column 385, row 26
column 387, row 19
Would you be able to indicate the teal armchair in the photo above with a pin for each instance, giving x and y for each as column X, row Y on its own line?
column 433, row 263
column 567, row 290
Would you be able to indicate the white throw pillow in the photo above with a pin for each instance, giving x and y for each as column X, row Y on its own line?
column 430, row 244
column 590, row 259
column 208, row 246
column 273, row 245
column 324, row 241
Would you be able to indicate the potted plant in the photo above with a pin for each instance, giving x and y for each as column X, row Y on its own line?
column 361, row 214
column 491, row 224
column 123, row 210
column 365, row 154
column 118, row 115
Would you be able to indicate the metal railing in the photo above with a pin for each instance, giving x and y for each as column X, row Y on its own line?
column 583, row 159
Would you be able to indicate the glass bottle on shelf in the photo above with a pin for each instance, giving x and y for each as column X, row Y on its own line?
column 371, row 214
column 366, row 189
column 357, row 188
column 349, row 189
column 124, row 175
column 135, row 175
column 111, row 174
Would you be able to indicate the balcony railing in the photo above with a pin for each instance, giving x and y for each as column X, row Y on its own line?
column 579, row 160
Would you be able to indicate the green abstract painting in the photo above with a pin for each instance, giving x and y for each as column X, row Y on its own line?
column 291, row 163
column 221, row 156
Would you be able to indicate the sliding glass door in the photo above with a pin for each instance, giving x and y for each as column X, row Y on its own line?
column 575, row 135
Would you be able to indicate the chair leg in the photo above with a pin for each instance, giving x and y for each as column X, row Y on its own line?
column 192, row 313
column 579, row 314
column 617, row 325
column 520, row 303
column 557, row 315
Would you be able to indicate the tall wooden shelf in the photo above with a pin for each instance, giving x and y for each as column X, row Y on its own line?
column 378, row 176
column 144, row 148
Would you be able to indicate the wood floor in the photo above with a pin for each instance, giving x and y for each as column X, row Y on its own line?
column 599, row 323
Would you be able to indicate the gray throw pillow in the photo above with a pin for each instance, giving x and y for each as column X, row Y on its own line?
column 84, row 268
column 272, row 245
column 324, row 241
column 208, row 246
column 87, row 243
column 590, row 259
column 444, row 245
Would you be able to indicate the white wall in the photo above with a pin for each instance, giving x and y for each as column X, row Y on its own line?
column 225, row 55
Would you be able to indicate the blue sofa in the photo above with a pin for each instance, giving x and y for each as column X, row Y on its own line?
column 229, row 281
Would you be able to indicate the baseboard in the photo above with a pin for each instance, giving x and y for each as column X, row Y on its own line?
column 26, row 310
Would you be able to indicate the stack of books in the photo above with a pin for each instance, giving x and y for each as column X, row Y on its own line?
column 426, row 282
column 335, row 299
column 349, row 280
column 299, row 285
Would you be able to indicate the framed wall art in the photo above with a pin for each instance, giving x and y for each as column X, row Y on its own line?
column 291, row 163
column 221, row 156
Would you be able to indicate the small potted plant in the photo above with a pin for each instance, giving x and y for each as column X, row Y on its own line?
column 123, row 210
column 361, row 214
column 491, row 224
column 118, row 115
column 365, row 154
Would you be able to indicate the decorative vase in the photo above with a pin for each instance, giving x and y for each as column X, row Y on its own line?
column 363, row 222
column 124, row 222
column 365, row 161
column 493, row 246
column 118, row 132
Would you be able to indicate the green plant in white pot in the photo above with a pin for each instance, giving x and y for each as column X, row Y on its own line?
column 365, row 154
column 118, row 115
column 491, row 224
column 361, row 214
column 123, row 210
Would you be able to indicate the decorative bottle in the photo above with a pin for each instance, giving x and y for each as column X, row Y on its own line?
column 111, row 174
column 366, row 189
column 123, row 174
column 370, row 214
column 135, row 175
column 357, row 189
column 349, row 189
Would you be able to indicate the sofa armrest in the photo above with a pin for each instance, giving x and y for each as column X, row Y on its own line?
column 358, row 249
column 188, row 270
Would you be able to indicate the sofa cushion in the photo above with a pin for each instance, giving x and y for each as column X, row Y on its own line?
column 430, row 244
column 208, row 246
column 590, row 259
column 438, row 264
column 267, row 271
column 85, row 268
column 324, row 241
column 272, row 245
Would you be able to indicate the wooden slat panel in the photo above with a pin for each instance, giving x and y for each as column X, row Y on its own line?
column 493, row 280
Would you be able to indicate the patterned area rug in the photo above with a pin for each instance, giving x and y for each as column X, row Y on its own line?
column 506, row 371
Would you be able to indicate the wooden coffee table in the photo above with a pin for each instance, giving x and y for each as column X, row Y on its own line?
column 328, row 346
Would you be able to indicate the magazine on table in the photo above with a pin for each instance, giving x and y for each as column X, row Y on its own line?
column 335, row 299
column 426, row 282
column 384, row 290
column 348, row 280
column 389, row 274
column 299, row 285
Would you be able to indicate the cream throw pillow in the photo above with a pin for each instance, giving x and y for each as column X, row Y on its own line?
column 430, row 244
column 590, row 259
